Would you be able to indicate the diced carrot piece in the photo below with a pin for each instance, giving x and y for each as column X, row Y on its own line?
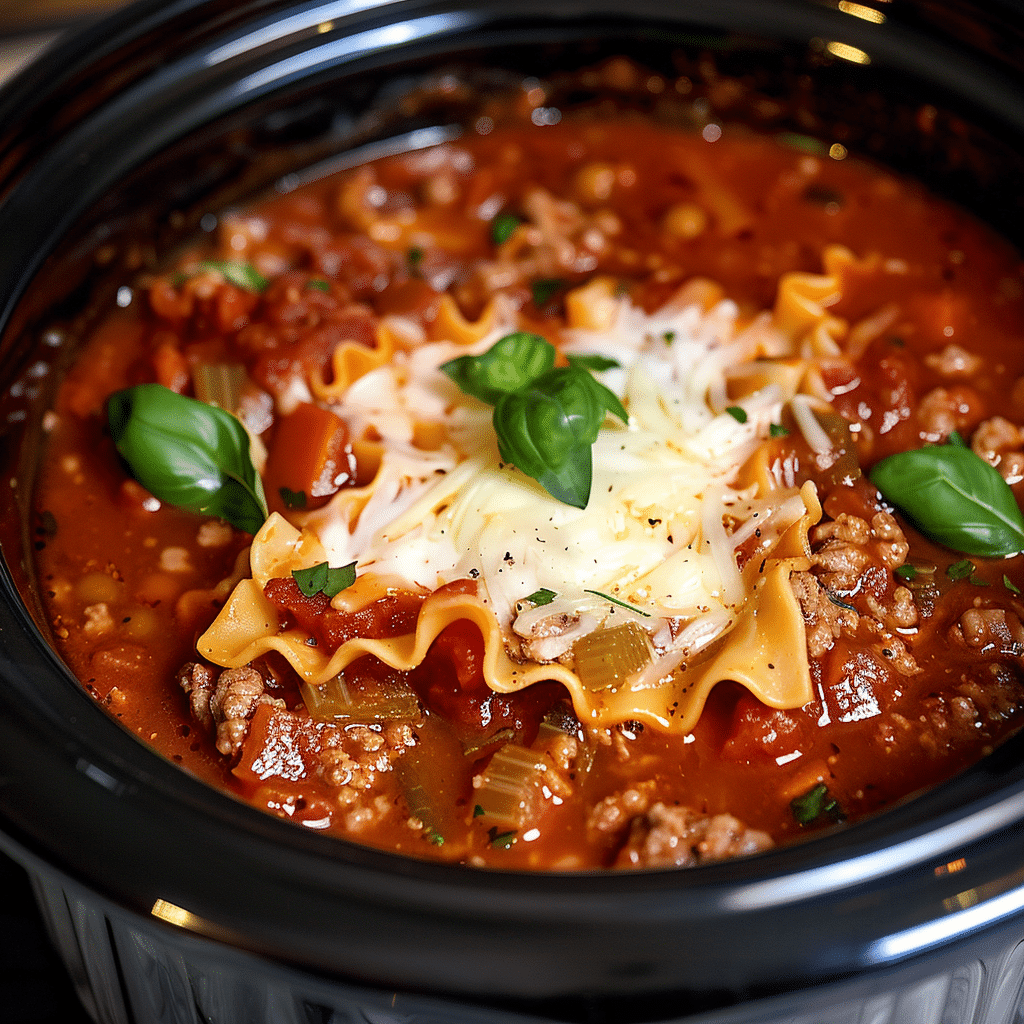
column 171, row 367
column 310, row 457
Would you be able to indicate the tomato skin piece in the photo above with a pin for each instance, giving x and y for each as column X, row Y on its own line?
column 394, row 615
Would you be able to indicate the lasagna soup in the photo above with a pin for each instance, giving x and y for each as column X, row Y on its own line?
column 565, row 495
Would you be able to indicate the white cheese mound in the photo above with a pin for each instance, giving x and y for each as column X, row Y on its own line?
column 652, row 535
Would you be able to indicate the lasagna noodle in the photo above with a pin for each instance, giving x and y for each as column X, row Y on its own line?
column 750, row 621
column 764, row 648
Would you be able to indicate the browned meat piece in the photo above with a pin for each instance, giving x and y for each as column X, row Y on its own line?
column 680, row 837
column 855, row 557
column 238, row 692
column 992, row 631
column 225, row 702
column 612, row 815
column 197, row 680
column 824, row 620
column 353, row 758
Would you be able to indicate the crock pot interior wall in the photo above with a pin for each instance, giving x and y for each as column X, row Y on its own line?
column 175, row 115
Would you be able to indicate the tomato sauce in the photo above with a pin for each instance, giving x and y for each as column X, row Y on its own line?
column 130, row 582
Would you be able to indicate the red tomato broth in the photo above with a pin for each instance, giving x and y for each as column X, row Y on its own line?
column 872, row 735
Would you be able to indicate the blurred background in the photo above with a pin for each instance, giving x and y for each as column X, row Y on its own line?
column 26, row 26
column 34, row 987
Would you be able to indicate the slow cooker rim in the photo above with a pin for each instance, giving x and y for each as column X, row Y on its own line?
column 601, row 886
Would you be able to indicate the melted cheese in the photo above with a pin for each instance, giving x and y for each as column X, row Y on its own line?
column 656, row 544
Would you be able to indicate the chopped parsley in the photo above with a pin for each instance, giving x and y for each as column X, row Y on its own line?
column 292, row 499
column 816, row 803
column 544, row 289
column 615, row 600
column 503, row 227
column 323, row 579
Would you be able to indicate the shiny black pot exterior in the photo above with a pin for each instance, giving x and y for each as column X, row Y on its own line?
column 173, row 902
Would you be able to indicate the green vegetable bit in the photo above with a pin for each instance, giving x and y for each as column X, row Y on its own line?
column 541, row 597
column 777, row 430
column 960, row 570
column 323, row 579
column 737, row 413
column 501, row 840
column 544, row 289
column 615, row 600
column 503, row 227
column 241, row 275
column 954, row 497
column 906, row 572
column 292, row 499
column 187, row 453
column 814, row 804
column 1010, row 585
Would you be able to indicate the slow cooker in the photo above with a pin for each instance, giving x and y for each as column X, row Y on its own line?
column 169, row 901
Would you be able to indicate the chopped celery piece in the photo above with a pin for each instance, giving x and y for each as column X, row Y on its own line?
column 220, row 384
column 361, row 700
column 501, row 736
column 410, row 771
column 608, row 656
column 511, row 786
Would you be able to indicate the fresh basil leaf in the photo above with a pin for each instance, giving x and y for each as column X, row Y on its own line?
column 593, row 362
column 510, row 364
column 546, row 441
column 503, row 226
column 548, row 430
column 738, row 413
column 541, row 597
column 954, row 497
column 323, row 579
column 241, row 275
column 545, row 289
column 906, row 572
column 188, row 454
column 546, row 419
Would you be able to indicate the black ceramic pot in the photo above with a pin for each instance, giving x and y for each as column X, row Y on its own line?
column 172, row 902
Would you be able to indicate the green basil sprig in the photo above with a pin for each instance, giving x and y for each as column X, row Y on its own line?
column 954, row 497
column 188, row 454
column 546, row 418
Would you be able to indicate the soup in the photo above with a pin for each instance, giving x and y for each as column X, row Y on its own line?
column 515, row 501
